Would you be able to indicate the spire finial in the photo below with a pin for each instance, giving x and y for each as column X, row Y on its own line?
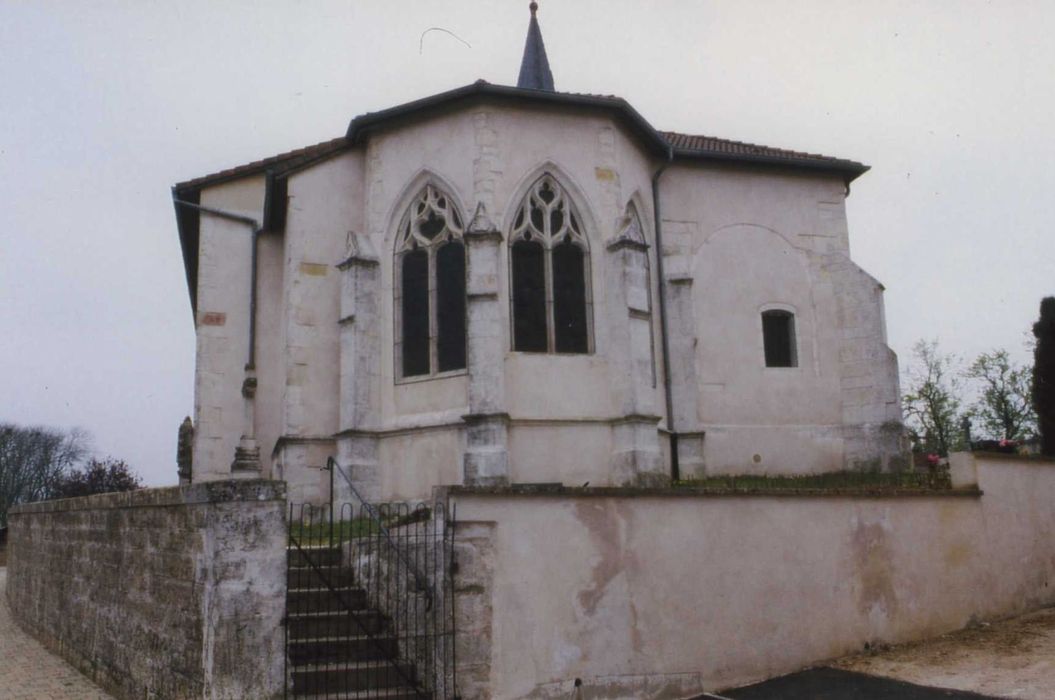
column 534, row 68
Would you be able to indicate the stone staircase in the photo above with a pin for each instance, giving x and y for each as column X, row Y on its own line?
column 337, row 653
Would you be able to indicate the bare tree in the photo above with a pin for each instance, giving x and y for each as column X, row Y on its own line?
column 932, row 399
column 33, row 461
column 97, row 476
column 1044, row 375
column 1004, row 407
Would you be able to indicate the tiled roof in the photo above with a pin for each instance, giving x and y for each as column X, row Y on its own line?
column 690, row 145
column 684, row 145
column 282, row 162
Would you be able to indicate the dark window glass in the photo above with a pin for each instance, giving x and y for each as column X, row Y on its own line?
column 431, row 226
column 778, row 338
column 529, row 297
column 569, row 298
column 450, row 306
column 415, row 313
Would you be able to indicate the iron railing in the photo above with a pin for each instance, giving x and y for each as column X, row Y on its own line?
column 370, row 603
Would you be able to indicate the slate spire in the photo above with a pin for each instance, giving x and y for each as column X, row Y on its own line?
column 534, row 68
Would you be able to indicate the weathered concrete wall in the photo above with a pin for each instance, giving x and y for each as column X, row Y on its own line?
column 162, row 593
column 665, row 596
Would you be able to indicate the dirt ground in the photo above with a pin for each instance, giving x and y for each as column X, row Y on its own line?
column 1012, row 658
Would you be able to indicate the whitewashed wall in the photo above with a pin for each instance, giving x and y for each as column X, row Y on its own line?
column 736, row 240
column 650, row 596
column 224, row 255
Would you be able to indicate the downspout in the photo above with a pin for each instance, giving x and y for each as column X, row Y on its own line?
column 675, row 471
column 247, row 453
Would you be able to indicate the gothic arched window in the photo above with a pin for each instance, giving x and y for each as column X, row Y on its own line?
column 430, row 286
column 549, row 258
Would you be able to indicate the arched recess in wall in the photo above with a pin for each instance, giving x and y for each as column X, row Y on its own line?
column 429, row 273
column 738, row 272
column 550, row 281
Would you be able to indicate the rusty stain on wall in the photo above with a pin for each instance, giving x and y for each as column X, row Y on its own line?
column 313, row 269
column 608, row 526
column 874, row 567
column 958, row 554
column 602, row 525
column 213, row 318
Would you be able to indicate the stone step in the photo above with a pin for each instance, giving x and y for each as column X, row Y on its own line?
column 311, row 577
column 312, row 625
column 315, row 679
column 321, row 599
column 321, row 556
column 396, row 693
column 317, row 650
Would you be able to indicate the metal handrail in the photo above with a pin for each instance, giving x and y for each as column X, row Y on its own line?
column 421, row 582
column 409, row 680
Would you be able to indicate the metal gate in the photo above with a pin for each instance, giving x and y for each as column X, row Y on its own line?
column 370, row 603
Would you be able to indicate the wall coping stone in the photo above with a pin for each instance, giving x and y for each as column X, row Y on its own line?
column 202, row 493
column 551, row 490
column 1036, row 460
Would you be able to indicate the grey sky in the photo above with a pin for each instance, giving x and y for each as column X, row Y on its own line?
column 104, row 105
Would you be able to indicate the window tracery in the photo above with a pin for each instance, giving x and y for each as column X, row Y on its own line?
column 430, row 263
column 549, row 258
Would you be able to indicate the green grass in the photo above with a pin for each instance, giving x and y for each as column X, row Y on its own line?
column 828, row 481
column 318, row 532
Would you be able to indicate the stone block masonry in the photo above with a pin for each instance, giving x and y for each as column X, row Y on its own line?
column 161, row 593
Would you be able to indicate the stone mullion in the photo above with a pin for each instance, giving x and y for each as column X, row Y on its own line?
column 434, row 325
column 551, row 319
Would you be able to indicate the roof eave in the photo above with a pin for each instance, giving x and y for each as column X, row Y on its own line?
column 848, row 169
column 187, row 224
column 362, row 125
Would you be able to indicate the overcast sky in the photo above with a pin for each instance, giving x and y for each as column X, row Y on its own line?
column 105, row 105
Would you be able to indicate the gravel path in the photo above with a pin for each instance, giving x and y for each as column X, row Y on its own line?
column 1009, row 659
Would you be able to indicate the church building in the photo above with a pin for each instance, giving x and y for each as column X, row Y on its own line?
column 497, row 285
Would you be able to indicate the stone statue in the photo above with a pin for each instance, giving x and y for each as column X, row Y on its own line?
column 185, row 451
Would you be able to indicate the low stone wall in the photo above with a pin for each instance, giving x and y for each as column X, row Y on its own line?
column 161, row 593
column 666, row 594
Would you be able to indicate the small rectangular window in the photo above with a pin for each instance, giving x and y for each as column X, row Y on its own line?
column 778, row 338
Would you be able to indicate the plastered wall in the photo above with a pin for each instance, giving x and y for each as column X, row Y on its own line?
column 667, row 596
column 736, row 241
column 224, row 269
